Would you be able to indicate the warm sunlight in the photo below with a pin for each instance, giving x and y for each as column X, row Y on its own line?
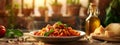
column 48, row 3
column 39, row 3
column 28, row 3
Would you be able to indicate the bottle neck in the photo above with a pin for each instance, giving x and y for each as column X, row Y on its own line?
column 93, row 11
column 94, row 14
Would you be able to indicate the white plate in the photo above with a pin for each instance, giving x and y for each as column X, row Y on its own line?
column 55, row 39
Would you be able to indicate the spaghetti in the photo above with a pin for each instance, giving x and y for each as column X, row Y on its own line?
column 58, row 29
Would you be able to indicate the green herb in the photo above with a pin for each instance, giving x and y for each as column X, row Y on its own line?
column 59, row 23
column 17, row 6
column 113, row 12
column 65, row 25
column 12, row 33
column 55, row 2
column 43, row 7
column 48, row 33
column 11, row 17
column 73, row 2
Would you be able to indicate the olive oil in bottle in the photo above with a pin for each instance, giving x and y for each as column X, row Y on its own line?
column 92, row 21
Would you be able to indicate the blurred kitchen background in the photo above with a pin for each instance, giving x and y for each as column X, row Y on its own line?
column 35, row 14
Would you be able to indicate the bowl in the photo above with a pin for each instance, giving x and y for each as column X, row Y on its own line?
column 56, row 39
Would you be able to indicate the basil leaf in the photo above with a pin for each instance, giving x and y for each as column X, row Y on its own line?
column 65, row 25
column 17, row 33
column 48, row 33
column 59, row 23
column 12, row 33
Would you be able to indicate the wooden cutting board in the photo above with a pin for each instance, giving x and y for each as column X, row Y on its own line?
column 115, row 39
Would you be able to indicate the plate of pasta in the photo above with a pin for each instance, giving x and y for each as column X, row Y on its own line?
column 57, row 32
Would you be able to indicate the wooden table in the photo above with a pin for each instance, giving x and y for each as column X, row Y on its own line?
column 82, row 41
column 71, row 43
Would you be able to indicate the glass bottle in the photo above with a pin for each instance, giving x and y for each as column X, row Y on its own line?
column 92, row 21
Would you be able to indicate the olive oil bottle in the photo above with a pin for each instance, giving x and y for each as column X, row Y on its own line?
column 92, row 21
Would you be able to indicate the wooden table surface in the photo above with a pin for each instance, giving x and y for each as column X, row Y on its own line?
column 70, row 43
column 82, row 41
